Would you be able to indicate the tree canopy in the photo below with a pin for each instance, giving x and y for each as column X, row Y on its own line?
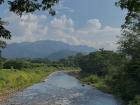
column 130, row 39
column 4, row 33
column 125, row 82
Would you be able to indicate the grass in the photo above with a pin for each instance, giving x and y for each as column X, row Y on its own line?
column 94, row 81
column 18, row 79
column 12, row 79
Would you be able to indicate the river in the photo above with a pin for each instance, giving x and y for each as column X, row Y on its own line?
column 61, row 89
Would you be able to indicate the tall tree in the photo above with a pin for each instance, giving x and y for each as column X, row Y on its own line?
column 126, row 82
column 130, row 40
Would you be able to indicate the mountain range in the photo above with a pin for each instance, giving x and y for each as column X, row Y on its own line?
column 53, row 50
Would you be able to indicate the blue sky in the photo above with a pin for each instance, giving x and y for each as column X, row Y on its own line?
column 104, row 10
column 93, row 23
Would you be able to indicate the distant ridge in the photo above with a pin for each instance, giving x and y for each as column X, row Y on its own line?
column 44, row 48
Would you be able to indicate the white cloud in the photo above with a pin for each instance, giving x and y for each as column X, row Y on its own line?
column 60, row 7
column 62, row 23
column 36, row 27
column 94, row 24
column 92, row 34
column 27, row 28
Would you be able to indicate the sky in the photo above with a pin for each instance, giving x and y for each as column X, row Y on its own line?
column 95, row 23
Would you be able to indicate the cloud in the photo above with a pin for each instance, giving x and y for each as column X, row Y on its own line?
column 27, row 28
column 34, row 27
column 62, row 23
column 60, row 7
column 93, row 24
column 92, row 34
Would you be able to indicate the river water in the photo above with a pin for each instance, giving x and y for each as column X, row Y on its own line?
column 61, row 89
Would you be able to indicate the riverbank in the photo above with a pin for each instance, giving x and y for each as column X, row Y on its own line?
column 12, row 81
column 61, row 89
column 92, row 80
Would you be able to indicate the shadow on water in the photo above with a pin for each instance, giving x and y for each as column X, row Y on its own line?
column 61, row 89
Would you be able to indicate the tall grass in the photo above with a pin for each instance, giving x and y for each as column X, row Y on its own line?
column 17, row 79
column 13, row 79
column 94, row 80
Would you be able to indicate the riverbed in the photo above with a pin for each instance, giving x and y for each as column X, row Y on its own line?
column 61, row 89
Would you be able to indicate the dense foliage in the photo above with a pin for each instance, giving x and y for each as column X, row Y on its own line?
column 4, row 33
column 120, row 71
column 126, row 83
column 16, row 64
column 100, row 62
column 136, row 101
column 111, row 72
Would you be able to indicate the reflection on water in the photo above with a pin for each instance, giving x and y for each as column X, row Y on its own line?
column 61, row 89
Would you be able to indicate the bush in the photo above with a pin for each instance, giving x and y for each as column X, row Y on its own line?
column 1, row 62
column 99, row 62
column 15, row 64
column 125, row 82
column 136, row 101
column 91, row 79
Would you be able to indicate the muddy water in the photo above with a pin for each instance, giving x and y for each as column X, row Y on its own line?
column 61, row 89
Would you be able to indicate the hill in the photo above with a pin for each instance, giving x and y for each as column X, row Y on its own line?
column 43, row 48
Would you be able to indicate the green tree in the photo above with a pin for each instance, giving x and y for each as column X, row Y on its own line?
column 16, row 64
column 130, row 40
column 125, row 82
column 4, row 33
column 100, row 62
column 136, row 101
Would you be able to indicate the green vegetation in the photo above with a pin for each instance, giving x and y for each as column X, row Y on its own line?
column 136, row 101
column 20, row 73
column 94, row 80
column 111, row 72
column 15, row 64
column 97, row 68
column 15, row 79
column 126, row 82
column 118, row 72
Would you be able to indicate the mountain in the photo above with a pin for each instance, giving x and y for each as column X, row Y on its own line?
column 43, row 48
column 61, row 54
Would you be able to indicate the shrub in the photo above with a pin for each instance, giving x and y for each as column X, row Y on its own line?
column 136, row 101
column 15, row 64
column 1, row 62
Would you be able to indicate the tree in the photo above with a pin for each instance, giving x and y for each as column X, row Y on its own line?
column 130, row 40
column 16, row 64
column 21, row 7
column 4, row 33
column 125, row 82
column 132, row 19
column 100, row 62
column 136, row 101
